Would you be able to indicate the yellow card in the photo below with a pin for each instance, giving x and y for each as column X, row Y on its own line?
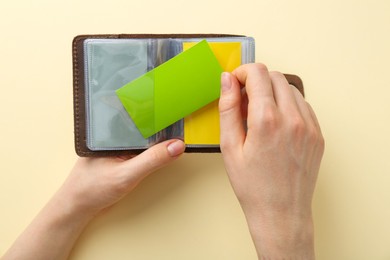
column 202, row 126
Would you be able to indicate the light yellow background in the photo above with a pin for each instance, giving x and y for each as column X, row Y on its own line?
column 341, row 49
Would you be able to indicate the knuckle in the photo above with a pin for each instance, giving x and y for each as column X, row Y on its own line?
column 225, row 146
column 276, row 74
column 313, row 135
column 270, row 119
column 297, row 127
column 316, row 140
column 268, row 122
column 321, row 141
column 252, row 67
column 307, row 133
column 226, row 143
column 227, row 103
column 260, row 67
column 155, row 159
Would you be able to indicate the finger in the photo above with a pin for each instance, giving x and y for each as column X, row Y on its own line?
column 314, row 134
column 231, row 124
column 283, row 93
column 257, row 82
column 152, row 159
column 314, row 118
column 302, row 106
column 244, row 104
column 261, row 102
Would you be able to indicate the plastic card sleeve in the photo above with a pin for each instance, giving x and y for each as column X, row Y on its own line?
column 110, row 64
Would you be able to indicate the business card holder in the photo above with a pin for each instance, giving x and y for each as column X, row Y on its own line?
column 109, row 123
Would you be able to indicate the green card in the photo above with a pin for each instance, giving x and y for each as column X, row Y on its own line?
column 173, row 90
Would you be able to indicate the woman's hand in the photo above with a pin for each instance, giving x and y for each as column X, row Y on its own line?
column 93, row 185
column 273, row 164
column 97, row 183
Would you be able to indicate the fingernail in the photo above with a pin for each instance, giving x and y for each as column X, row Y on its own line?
column 226, row 83
column 176, row 148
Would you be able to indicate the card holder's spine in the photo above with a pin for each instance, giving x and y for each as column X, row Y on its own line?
column 151, row 64
column 160, row 51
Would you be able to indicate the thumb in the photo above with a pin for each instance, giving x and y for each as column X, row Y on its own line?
column 232, row 129
column 153, row 159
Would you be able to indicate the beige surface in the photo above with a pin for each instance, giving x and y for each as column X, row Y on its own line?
column 341, row 49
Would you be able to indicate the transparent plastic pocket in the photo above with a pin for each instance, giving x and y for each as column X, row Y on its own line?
column 112, row 63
